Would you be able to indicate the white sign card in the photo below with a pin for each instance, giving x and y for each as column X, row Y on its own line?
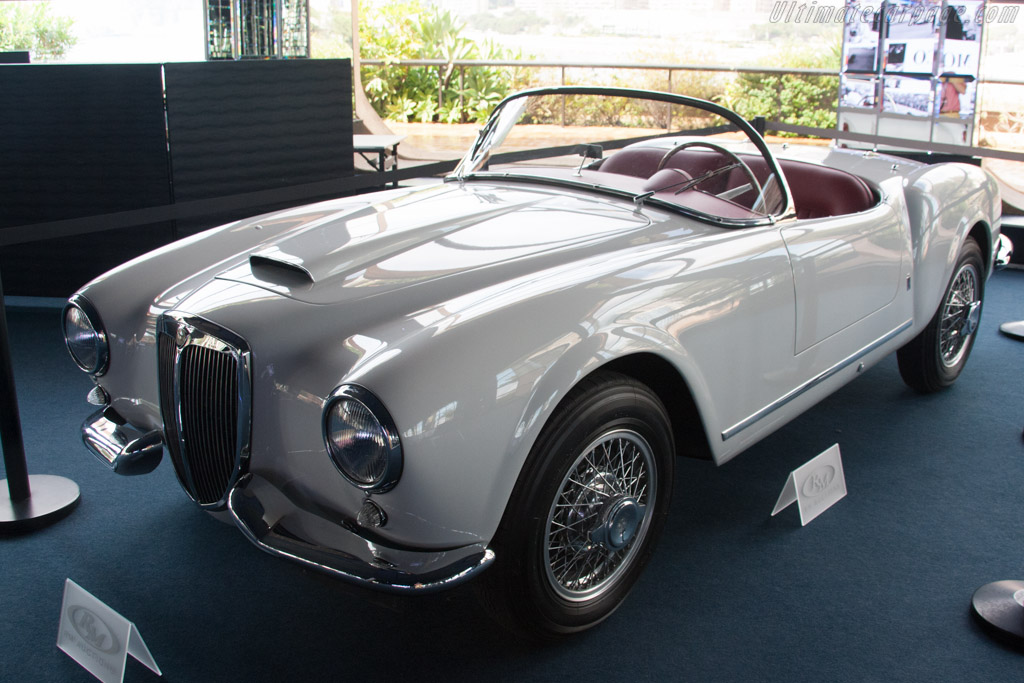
column 815, row 486
column 97, row 637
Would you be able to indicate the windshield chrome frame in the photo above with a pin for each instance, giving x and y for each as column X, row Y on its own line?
column 477, row 155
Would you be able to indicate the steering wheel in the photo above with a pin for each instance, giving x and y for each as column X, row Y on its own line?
column 737, row 162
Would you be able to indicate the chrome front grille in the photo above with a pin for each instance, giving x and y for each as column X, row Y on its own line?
column 205, row 399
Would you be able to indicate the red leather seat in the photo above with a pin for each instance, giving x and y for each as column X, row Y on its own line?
column 818, row 191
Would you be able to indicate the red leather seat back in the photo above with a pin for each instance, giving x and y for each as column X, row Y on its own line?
column 639, row 162
column 820, row 191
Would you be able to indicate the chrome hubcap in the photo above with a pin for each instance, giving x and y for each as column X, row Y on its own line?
column 961, row 315
column 620, row 521
column 600, row 516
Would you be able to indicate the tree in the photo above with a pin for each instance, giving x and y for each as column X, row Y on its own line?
column 30, row 26
column 331, row 31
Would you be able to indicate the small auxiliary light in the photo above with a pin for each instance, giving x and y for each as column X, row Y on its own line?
column 371, row 515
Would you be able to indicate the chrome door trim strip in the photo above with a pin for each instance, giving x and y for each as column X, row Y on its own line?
column 815, row 381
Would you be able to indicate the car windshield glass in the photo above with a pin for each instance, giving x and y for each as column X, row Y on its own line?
column 671, row 151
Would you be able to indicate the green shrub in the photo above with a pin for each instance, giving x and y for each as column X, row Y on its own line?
column 407, row 29
column 790, row 98
column 705, row 85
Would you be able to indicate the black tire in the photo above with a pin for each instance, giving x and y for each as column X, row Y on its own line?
column 580, row 524
column 935, row 358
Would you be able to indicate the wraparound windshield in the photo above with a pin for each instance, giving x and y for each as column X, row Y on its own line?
column 672, row 151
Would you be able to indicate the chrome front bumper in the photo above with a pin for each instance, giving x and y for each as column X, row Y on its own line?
column 276, row 523
column 271, row 520
column 120, row 446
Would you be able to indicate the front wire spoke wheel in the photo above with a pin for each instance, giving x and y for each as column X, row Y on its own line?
column 586, row 511
column 600, row 516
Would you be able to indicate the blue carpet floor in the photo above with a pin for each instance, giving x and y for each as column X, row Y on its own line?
column 876, row 589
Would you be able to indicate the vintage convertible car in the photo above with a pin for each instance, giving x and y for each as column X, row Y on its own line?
column 495, row 372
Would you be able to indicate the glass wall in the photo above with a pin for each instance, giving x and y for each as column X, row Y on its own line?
column 257, row 29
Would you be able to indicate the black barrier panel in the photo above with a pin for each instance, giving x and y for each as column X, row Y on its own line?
column 79, row 140
column 246, row 126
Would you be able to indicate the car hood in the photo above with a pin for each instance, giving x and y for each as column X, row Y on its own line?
column 483, row 233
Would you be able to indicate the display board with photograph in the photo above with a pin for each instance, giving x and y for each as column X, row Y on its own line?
column 910, row 69
column 860, row 39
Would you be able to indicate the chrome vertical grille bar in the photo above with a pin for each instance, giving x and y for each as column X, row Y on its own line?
column 168, row 404
column 205, row 401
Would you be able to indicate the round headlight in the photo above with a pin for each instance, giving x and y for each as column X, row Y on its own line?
column 85, row 337
column 362, row 439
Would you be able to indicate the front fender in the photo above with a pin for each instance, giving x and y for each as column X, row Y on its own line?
column 467, row 434
column 945, row 203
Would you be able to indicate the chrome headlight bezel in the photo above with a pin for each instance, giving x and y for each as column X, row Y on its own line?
column 388, row 447
column 95, row 331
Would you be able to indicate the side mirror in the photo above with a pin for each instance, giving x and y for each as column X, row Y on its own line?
column 588, row 152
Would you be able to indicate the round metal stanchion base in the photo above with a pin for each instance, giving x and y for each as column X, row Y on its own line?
column 1000, row 606
column 53, row 498
column 1014, row 329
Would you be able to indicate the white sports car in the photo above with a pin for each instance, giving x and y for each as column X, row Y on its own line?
column 493, row 375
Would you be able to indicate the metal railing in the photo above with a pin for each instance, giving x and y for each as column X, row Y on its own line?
column 541, row 64
column 562, row 66
column 462, row 64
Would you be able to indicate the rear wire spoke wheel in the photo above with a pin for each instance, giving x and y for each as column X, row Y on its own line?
column 586, row 511
column 936, row 357
column 956, row 327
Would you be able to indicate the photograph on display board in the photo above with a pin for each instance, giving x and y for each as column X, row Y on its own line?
column 858, row 91
column 908, row 96
column 860, row 39
column 961, row 49
column 911, row 36
column 926, row 65
column 956, row 95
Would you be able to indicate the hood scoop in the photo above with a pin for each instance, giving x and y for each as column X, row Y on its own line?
column 275, row 267
column 438, row 241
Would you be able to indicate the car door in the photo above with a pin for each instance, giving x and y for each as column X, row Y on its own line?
column 848, row 277
column 847, row 272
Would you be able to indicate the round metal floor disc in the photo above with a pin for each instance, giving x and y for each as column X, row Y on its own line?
column 1014, row 329
column 1001, row 605
column 53, row 498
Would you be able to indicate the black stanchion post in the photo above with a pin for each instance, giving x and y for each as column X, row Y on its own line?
column 10, row 418
column 31, row 502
